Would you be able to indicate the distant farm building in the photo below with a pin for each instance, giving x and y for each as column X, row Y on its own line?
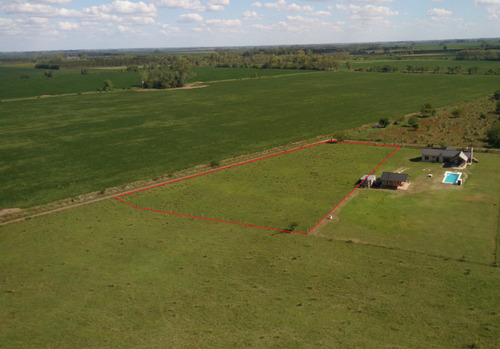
column 367, row 181
column 394, row 180
column 448, row 156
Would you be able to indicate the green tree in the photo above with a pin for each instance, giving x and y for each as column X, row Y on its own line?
column 384, row 122
column 494, row 135
column 181, row 68
column 107, row 85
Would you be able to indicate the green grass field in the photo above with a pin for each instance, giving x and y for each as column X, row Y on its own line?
column 392, row 269
column 430, row 217
column 299, row 187
column 107, row 275
column 62, row 82
column 54, row 148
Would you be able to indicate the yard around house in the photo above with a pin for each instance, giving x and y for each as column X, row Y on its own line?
column 431, row 217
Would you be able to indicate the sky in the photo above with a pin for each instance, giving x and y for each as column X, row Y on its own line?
column 34, row 25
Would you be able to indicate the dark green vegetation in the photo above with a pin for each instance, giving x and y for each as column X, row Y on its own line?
column 21, row 82
column 107, row 275
column 53, row 148
column 300, row 187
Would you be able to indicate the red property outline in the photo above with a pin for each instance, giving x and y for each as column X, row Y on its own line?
column 119, row 197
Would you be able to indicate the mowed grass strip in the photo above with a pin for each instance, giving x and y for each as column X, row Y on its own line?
column 291, row 191
column 458, row 222
column 55, row 148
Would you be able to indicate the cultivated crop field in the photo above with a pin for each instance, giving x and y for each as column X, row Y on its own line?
column 291, row 191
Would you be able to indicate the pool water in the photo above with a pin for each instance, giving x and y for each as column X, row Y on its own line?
column 452, row 178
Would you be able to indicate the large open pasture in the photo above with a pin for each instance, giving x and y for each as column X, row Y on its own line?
column 388, row 272
column 291, row 191
column 59, row 147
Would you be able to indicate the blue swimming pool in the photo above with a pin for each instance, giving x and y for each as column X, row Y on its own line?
column 452, row 177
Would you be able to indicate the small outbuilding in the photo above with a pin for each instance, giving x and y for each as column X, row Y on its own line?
column 367, row 181
column 393, row 180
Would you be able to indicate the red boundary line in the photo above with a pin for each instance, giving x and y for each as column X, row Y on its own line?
column 119, row 197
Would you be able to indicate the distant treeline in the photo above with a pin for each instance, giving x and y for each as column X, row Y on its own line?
column 47, row 66
column 478, row 55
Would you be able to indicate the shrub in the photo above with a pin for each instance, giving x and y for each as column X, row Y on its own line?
column 413, row 121
column 483, row 115
column 496, row 95
column 427, row 110
column 384, row 122
column 214, row 163
column 457, row 113
column 108, row 85
column 494, row 135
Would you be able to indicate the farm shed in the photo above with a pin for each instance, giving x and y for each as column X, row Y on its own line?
column 393, row 180
column 367, row 181
column 448, row 156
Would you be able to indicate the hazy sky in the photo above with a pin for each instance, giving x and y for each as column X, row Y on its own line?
column 27, row 25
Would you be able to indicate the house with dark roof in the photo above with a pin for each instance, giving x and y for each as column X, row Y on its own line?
column 448, row 155
column 393, row 180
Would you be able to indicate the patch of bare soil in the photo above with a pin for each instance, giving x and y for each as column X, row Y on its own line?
column 8, row 211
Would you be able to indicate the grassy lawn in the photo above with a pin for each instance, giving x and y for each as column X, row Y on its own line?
column 53, row 148
column 299, row 187
column 430, row 217
column 108, row 276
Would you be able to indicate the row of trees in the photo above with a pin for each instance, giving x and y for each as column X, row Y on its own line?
column 478, row 55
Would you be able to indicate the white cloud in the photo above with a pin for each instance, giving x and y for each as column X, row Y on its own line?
column 251, row 15
column 321, row 13
column 181, row 4
column 190, row 18
column 68, row 25
column 166, row 29
column 124, row 8
column 39, row 10
column 368, row 14
column 492, row 6
column 282, row 5
column 56, row 2
column 217, row 5
column 223, row 23
column 439, row 14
